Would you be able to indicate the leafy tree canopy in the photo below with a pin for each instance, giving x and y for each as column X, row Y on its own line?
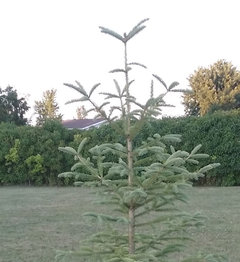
column 47, row 108
column 12, row 108
column 213, row 88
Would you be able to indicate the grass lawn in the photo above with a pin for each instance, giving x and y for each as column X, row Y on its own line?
column 34, row 222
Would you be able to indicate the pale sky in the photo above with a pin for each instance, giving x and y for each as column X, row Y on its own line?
column 45, row 43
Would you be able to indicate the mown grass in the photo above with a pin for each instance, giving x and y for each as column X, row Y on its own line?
column 35, row 222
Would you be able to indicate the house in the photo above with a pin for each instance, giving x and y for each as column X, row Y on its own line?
column 83, row 124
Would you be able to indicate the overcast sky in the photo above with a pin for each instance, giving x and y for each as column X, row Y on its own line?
column 45, row 43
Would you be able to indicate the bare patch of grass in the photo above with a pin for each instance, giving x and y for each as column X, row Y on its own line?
column 221, row 234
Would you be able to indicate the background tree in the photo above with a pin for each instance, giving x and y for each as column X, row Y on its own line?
column 216, row 87
column 47, row 108
column 12, row 108
column 81, row 112
column 191, row 105
column 142, row 183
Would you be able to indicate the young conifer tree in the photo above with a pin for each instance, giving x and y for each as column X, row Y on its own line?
column 146, row 182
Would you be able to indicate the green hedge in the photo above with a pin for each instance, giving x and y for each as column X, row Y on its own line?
column 29, row 155
column 219, row 135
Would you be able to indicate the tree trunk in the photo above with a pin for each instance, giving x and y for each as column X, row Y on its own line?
column 131, row 215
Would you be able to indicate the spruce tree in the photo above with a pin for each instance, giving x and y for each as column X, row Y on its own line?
column 143, row 185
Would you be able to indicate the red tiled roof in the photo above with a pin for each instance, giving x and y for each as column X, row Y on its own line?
column 82, row 123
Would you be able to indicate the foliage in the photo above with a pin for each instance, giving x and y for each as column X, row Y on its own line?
column 47, row 108
column 213, row 88
column 81, row 112
column 12, row 108
column 35, row 169
column 29, row 155
column 143, row 183
column 13, row 153
column 13, row 163
column 218, row 133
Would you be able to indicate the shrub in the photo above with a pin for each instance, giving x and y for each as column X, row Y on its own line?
column 29, row 155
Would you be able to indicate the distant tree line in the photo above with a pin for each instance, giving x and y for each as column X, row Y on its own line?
column 212, row 88
column 13, row 109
